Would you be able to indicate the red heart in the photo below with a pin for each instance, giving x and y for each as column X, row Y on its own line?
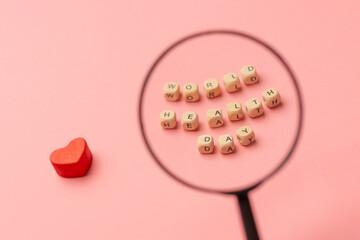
column 73, row 160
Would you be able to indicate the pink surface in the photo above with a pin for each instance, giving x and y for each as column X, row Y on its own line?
column 212, row 56
column 75, row 68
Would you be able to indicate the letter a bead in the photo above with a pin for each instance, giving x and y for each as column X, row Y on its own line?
column 215, row 118
column 226, row 144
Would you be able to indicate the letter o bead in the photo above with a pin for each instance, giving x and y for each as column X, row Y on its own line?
column 191, row 92
column 205, row 144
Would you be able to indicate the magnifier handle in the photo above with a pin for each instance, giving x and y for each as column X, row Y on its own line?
column 247, row 216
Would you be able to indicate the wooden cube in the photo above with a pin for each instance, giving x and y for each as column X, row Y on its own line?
column 205, row 144
column 212, row 88
column 249, row 74
column 168, row 119
column 171, row 91
column 234, row 111
column 271, row 97
column 226, row 144
column 254, row 107
column 191, row 92
column 232, row 82
column 215, row 118
column 245, row 135
column 190, row 121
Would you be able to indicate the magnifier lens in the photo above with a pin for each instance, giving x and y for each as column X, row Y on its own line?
column 213, row 56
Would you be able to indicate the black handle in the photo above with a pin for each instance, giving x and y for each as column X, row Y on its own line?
column 247, row 216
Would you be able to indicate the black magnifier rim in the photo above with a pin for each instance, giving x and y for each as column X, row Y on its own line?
column 223, row 32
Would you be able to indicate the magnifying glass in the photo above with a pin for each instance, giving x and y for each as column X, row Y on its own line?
column 212, row 54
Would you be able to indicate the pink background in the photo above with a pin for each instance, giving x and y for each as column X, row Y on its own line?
column 75, row 68
column 213, row 56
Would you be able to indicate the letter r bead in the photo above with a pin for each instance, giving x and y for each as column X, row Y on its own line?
column 212, row 88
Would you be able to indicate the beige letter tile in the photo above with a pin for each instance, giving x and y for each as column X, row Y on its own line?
column 226, row 144
column 171, row 91
column 214, row 118
column 249, row 75
column 245, row 135
column 234, row 111
column 212, row 88
column 232, row 82
column 191, row 92
column 190, row 121
column 271, row 97
column 168, row 119
column 205, row 144
column 254, row 107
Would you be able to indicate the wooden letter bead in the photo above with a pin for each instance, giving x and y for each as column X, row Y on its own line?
column 190, row 121
column 226, row 144
column 191, row 92
column 171, row 91
column 212, row 88
column 168, row 119
column 271, row 97
column 245, row 135
column 254, row 107
column 215, row 118
column 205, row 144
column 234, row 111
column 232, row 82
column 249, row 75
